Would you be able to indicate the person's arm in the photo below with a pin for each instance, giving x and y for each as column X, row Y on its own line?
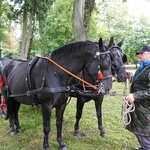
column 139, row 95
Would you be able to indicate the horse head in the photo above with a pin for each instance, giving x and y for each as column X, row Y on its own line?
column 117, row 63
column 100, row 62
column 105, row 60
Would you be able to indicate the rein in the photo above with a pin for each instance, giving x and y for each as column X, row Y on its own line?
column 75, row 76
column 118, row 68
column 127, row 107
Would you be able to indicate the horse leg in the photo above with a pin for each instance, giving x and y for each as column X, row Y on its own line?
column 59, row 119
column 80, row 105
column 16, row 119
column 46, row 114
column 10, row 113
column 98, row 106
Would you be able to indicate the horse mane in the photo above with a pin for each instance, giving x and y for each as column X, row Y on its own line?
column 71, row 48
column 21, row 60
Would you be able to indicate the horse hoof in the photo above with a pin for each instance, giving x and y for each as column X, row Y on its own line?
column 46, row 149
column 79, row 134
column 4, row 116
column 63, row 122
column 12, row 133
column 103, row 135
column 62, row 148
column 19, row 130
column 76, row 134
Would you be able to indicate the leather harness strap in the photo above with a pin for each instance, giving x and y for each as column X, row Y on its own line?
column 75, row 76
column 43, row 89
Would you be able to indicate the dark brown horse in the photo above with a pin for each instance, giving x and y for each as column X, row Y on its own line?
column 41, row 81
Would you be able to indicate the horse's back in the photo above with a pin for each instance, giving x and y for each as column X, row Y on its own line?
column 14, row 73
column 15, row 68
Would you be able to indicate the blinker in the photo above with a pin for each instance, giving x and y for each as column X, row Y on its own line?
column 100, row 75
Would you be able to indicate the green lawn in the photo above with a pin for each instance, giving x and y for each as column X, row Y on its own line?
column 117, row 138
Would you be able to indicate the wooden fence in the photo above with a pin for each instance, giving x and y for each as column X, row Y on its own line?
column 131, row 67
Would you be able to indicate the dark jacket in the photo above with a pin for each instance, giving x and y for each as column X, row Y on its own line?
column 140, row 118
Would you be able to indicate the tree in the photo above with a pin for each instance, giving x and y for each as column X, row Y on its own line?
column 3, row 23
column 89, row 6
column 57, row 29
column 31, row 12
column 82, row 11
column 134, row 30
column 52, row 22
column 77, row 21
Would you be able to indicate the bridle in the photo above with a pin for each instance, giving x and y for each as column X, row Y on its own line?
column 114, row 47
column 97, row 56
column 98, row 83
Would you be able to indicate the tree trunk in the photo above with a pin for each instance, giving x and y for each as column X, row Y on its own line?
column 89, row 5
column 26, row 33
column 28, row 41
column 77, row 21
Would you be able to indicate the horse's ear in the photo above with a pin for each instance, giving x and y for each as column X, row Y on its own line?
column 101, row 46
column 124, row 58
column 111, row 41
column 120, row 43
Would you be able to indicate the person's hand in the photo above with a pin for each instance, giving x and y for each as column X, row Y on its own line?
column 130, row 98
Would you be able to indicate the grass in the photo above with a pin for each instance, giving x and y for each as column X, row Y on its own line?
column 118, row 138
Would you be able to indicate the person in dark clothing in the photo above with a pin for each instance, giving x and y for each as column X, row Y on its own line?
column 140, row 95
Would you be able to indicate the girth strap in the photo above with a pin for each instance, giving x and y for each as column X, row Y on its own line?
column 43, row 90
column 48, row 90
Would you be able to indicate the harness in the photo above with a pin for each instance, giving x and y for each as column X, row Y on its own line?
column 33, row 92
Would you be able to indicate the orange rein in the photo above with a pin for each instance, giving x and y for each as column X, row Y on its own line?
column 87, row 83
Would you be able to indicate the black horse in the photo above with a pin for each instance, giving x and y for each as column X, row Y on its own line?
column 117, row 68
column 43, row 81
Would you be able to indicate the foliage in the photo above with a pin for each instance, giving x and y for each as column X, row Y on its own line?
column 138, row 35
column 30, row 14
column 8, row 42
column 117, row 138
column 3, row 21
column 135, row 31
column 58, row 29
column 53, row 25
column 18, row 6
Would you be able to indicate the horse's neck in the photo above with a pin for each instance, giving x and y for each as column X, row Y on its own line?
column 73, row 65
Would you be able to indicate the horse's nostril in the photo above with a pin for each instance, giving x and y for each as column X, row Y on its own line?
column 121, row 76
column 108, row 89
